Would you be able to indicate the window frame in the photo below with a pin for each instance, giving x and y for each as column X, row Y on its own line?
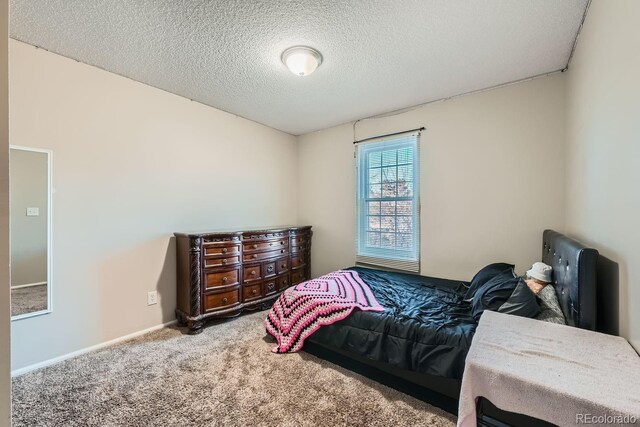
column 408, row 260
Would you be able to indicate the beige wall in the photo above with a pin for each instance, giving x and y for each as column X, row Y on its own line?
column 28, row 188
column 603, row 146
column 131, row 165
column 492, row 179
column 5, row 309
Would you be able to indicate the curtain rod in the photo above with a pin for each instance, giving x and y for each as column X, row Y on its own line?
column 389, row 134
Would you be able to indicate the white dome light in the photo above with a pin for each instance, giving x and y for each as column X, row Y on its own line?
column 301, row 60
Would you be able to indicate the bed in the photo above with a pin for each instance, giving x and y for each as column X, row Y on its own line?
column 419, row 344
column 426, row 326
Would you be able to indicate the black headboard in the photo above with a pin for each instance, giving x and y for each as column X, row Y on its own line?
column 574, row 277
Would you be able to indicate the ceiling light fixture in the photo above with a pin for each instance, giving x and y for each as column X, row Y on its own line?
column 301, row 60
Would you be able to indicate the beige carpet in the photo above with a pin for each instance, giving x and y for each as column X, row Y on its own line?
column 28, row 300
column 226, row 376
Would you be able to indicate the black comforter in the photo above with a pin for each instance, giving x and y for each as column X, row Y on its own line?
column 426, row 327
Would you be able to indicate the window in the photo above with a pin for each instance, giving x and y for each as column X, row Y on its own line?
column 388, row 232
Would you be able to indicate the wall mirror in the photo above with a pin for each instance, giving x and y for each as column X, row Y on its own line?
column 30, row 225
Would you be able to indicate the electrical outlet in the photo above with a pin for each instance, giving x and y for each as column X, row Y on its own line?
column 152, row 297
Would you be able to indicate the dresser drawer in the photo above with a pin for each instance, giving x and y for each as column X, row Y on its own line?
column 297, row 260
column 221, row 300
column 264, row 255
column 252, row 273
column 283, row 282
column 221, row 262
column 298, row 276
column 262, row 246
column 299, row 239
column 211, row 250
column 221, row 278
column 296, row 249
column 270, row 287
column 282, row 265
column 252, row 292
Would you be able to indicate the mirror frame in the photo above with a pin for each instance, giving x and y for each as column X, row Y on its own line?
column 49, row 308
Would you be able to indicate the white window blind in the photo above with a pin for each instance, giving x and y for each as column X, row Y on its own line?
column 388, row 231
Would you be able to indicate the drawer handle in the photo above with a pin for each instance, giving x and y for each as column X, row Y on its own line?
column 282, row 242
column 270, row 286
column 270, row 244
column 255, row 291
column 224, row 250
column 255, row 246
column 224, row 279
column 284, row 266
column 253, row 273
column 224, row 300
column 282, row 251
column 270, row 269
column 224, row 261
column 255, row 256
column 284, row 282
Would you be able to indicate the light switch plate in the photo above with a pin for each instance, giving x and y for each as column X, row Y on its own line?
column 33, row 211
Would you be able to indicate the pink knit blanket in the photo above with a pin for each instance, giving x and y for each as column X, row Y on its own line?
column 303, row 308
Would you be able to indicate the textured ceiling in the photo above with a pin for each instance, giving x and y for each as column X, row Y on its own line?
column 379, row 55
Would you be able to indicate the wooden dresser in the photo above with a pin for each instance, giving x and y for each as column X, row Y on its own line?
column 222, row 273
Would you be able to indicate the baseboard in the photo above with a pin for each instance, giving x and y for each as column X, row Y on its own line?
column 53, row 361
column 28, row 285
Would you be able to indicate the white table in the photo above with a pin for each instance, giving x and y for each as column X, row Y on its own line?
column 556, row 373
